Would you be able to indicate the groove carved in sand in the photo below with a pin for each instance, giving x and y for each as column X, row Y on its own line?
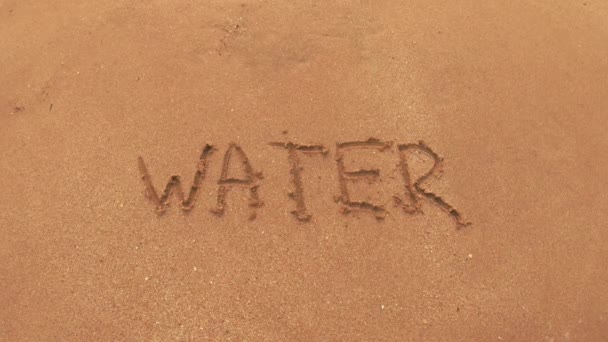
column 175, row 184
column 348, row 204
column 250, row 181
column 413, row 188
column 301, row 213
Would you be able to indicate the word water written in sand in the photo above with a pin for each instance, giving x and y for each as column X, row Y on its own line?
column 412, row 189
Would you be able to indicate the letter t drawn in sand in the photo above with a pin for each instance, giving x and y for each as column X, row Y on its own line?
column 301, row 213
column 250, row 181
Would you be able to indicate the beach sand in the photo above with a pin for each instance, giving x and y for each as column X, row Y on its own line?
column 324, row 235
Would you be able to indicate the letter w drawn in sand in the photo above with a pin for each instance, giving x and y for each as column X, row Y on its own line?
column 175, row 184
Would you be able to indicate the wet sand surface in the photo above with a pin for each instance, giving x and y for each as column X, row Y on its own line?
column 513, row 96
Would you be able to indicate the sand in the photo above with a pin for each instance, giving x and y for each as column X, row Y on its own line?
column 300, row 227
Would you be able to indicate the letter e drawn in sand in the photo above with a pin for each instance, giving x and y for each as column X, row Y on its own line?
column 344, row 175
column 174, row 184
column 250, row 181
column 301, row 213
column 414, row 190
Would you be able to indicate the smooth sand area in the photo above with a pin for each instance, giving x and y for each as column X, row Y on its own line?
column 294, row 225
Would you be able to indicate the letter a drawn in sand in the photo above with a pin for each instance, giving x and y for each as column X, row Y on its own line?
column 250, row 181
